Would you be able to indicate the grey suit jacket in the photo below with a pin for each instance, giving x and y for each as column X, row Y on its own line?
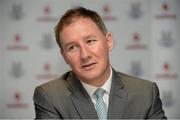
column 65, row 98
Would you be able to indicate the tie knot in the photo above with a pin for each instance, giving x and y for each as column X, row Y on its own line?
column 99, row 93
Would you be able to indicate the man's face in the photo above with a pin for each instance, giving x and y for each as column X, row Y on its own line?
column 86, row 49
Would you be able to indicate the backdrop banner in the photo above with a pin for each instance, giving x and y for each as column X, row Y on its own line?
column 146, row 35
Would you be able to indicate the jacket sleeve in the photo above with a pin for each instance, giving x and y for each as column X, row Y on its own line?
column 44, row 108
column 156, row 110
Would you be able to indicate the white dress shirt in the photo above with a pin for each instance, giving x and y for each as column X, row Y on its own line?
column 91, row 89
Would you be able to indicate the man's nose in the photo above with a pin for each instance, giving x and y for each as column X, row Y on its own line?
column 85, row 53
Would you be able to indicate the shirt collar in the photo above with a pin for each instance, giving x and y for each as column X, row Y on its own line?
column 106, row 86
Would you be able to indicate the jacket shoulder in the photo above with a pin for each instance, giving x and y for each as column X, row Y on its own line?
column 134, row 84
column 60, row 84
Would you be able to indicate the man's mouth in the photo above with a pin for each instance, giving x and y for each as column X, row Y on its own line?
column 88, row 66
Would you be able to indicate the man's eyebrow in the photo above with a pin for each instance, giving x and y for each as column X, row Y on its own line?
column 89, row 36
column 69, row 43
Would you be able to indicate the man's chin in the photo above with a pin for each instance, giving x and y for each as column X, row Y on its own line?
column 88, row 77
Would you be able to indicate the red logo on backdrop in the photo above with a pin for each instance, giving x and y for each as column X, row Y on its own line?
column 17, row 44
column 165, row 6
column 165, row 14
column 166, row 72
column 47, row 17
column 47, row 67
column 107, row 13
column 47, row 72
column 17, row 102
column 136, row 45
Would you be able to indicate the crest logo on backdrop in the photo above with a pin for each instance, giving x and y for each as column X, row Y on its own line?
column 167, row 99
column 135, row 11
column 47, row 41
column 17, row 69
column 136, row 68
column 166, row 39
column 17, row 12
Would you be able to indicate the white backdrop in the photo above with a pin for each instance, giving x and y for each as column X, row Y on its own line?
column 146, row 35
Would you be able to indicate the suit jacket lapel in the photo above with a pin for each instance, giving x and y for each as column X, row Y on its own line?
column 81, row 100
column 118, row 98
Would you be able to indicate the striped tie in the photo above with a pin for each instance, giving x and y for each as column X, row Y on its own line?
column 100, row 106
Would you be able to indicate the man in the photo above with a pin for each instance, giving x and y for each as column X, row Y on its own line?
column 85, row 45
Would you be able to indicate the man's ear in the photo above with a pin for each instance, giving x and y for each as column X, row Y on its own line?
column 110, row 41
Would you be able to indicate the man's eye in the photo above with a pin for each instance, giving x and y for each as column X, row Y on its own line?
column 91, row 41
column 72, row 48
